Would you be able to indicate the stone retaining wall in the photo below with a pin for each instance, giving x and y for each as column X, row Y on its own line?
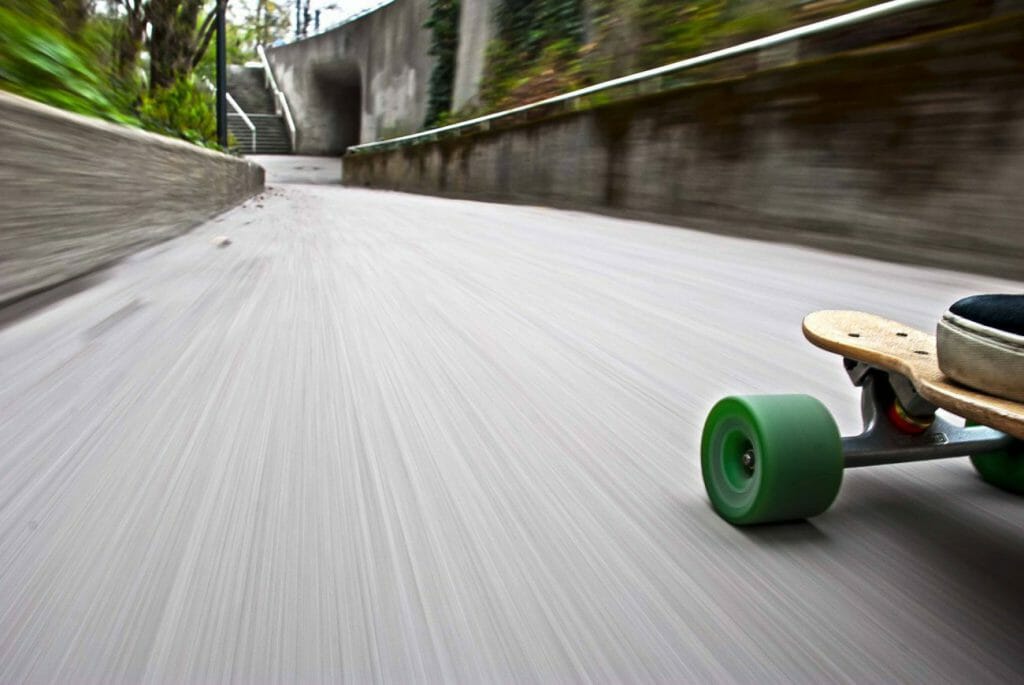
column 77, row 193
column 911, row 151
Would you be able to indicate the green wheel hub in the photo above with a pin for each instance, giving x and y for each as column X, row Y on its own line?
column 1003, row 468
column 771, row 458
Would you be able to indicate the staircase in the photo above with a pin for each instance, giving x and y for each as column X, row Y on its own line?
column 246, row 86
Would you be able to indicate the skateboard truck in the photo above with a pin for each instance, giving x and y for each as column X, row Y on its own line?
column 769, row 458
column 882, row 442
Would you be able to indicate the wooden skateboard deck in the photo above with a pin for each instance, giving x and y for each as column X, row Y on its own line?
column 891, row 346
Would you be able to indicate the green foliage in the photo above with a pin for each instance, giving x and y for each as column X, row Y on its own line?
column 74, row 14
column 639, row 34
column 540, row 47
column 240, row 51
column 182, row 109
column 557, row 69
column 76, row 68
column 531, row 25
column 766, row 19
column 444, row 27
column 536, row 52
column 501, row 74
column 263, row 22
column 40, row 61
column 672, row 30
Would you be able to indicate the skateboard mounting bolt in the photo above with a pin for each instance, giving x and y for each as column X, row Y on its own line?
column 749, row 461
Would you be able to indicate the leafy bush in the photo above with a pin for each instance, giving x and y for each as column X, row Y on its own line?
column 557, row 69
column 531, row 25
column 672, row 30
column 535, row 54
column 182, row 109
column 542, row 47
column 40, row 61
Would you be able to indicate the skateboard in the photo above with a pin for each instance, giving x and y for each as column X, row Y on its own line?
column 771, row 458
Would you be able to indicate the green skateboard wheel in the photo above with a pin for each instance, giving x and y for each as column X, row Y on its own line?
column 1002, row 468
column 771, row 458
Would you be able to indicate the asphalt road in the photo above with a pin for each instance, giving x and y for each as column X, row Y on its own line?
column 383, row 437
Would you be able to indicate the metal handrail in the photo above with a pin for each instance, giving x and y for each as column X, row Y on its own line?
column 245, row 118
column 280, row 103
column 819, row 27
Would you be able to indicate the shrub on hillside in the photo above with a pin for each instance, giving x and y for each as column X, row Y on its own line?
column 183, row 109
column 40, row 61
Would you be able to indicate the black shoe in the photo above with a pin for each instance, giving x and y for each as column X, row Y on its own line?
column 981, row 344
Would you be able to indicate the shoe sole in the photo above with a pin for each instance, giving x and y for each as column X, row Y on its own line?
column 981, row 357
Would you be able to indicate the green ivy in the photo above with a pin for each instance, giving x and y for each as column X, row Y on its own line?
column 673, row 30
column 536, row 51
column 531, row 25
column 543, row 47
column 444, row 26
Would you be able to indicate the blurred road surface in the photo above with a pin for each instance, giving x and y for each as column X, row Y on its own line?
column 382, row 437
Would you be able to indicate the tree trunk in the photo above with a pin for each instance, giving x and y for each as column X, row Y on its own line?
column 172, row 43
column 128, row 40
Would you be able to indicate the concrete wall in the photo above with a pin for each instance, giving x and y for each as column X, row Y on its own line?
column 368, row 79
column 913, row 151
column 477, row 26
column 77, row 193
column 363, row 81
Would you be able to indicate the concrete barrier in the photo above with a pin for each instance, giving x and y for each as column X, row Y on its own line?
column 911, row 151
column 77, row 193
column 364, row 80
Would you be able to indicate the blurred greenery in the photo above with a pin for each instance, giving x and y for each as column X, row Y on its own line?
column 240, row 51
column 262, row 22
column 65, row 54
column 535, row 54
column 39, row 60
column 546, row 47
column 444, row 29
column 183, row 109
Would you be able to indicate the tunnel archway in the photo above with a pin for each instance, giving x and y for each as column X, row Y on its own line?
column 339, row 90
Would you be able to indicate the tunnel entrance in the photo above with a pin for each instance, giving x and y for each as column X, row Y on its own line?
column 339, row 90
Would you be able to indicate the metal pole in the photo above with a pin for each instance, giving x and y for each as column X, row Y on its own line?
column 222, row 75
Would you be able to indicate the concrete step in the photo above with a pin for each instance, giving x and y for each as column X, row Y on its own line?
column 271, row 134
column 247, row 87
